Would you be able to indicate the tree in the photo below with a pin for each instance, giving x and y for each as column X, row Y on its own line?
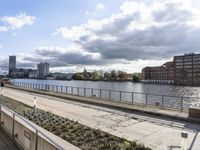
column 136, row 77
column 86, row 74
column 95, row 75
column 101, row 73
column 113, row 75
column 107, row 76
column 78, row 76
column 122, row 75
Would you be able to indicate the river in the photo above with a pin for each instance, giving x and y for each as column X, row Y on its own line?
column 162, row 89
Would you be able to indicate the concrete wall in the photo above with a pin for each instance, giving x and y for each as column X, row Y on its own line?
column 23, row 135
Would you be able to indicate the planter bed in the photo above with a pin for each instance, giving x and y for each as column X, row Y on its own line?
column 75, row 133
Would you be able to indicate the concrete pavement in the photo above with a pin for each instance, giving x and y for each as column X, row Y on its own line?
column 153, row 131
column 6, row 143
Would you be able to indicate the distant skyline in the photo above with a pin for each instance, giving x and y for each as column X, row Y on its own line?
column 123, row 35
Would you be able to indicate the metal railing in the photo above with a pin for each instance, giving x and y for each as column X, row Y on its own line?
column 38, row 132
column 163, row 101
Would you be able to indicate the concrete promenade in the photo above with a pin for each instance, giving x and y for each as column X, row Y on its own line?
column 158, row 133
column 6, row 143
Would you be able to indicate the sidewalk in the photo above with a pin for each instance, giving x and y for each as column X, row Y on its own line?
column 156, row 132
column 153, row 110
column 6, row 143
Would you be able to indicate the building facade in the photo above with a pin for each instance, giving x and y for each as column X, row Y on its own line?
column 187, row 69
column 12, row 64
column 42, row 70
column 159, row 74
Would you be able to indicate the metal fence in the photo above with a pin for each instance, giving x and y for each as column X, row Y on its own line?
column 163, row 101
column 15, row 117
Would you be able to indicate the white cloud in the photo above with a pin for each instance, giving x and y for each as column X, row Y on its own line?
column 18, row 21
column 87, row 12
column 142, row 34
column 3, row 29
column 157, row 30
column 1, row 46
column 100, row 7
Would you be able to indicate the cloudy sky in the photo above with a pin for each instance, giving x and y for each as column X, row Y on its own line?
column 97, row 34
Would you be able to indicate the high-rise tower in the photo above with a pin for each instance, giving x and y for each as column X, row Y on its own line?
column 12, row 64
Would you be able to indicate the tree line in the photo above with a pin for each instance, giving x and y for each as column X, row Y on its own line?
column 107, row 76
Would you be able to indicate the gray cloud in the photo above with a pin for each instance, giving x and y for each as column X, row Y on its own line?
column 154, row 34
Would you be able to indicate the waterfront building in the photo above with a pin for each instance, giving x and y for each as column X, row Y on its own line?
column 187, row 69
column 12, row 64
column 159, row 74
column 42, row 70
column 32, row 74
column 20, row 73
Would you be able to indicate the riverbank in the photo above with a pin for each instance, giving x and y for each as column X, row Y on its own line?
column 77, row 134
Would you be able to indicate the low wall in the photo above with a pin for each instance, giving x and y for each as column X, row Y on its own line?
column 30, row 137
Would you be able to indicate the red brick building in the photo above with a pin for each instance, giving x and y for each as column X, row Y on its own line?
column 159, row 74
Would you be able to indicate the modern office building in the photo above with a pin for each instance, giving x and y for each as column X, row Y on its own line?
column 12, row 64
column 42, row 70
column 187, row 69
column 159, row 74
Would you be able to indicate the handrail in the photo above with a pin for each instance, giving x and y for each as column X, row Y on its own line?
column 114, row 90
column 35, row 128
column 121, row 96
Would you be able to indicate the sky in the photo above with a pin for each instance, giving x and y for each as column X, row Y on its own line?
column 122, row 35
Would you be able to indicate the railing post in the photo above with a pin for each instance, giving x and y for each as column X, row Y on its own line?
column 146, row 99
column 13, row 126
column 0, row 115
column 57, row 88
column 61, row 89
column 36, row 140
column 132, row 95
column 162, row 105
column 72, row 90
column 85, row 92
column 66, row 90
column 100, row 93
column 78, row 90
column 181, row 103
column 120, row 96
column 92, row 92
column 109, row 95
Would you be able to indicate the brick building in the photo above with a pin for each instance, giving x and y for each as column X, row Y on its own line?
column 187, row 69
column 159, row 74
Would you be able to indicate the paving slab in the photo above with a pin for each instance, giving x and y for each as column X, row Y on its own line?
column 6, row 143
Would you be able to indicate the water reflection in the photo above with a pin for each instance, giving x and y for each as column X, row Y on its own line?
column 124, row 86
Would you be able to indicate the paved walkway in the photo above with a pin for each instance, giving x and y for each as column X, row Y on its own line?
column 6, row 143
column 158, row 133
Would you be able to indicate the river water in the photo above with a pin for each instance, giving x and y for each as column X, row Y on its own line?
column 161, row 89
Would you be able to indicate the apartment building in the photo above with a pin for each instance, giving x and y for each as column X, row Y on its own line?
column 42, row 70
